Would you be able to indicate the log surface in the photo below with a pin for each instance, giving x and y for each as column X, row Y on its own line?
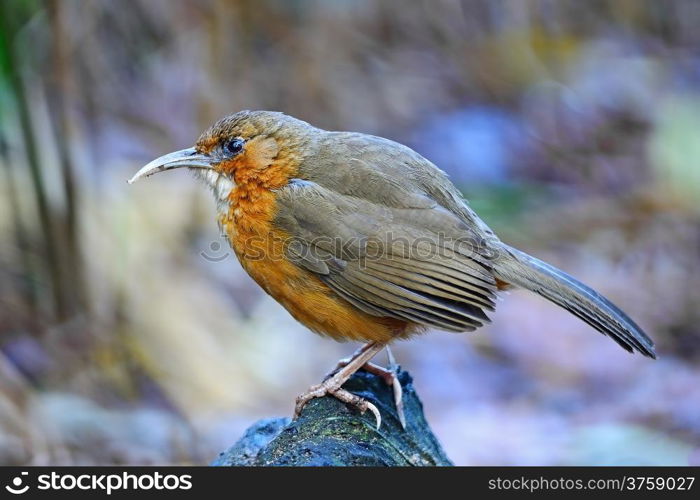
column 328, row 433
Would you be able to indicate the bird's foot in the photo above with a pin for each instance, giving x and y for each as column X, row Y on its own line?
column 333, row 384
column 390, row 377
column 333, row 387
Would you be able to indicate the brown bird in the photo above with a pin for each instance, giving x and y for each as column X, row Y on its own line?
column 361, row 238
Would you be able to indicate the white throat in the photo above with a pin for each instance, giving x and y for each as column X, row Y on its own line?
column 220, row 185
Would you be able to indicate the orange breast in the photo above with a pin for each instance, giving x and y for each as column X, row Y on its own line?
column 260, row 249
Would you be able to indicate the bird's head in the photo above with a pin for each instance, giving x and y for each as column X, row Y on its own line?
column 242, row 145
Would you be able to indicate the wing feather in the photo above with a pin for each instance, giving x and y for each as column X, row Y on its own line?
column 414, row 275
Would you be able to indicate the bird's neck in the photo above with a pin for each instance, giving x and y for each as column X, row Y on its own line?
column 250, row 206
column 220, row 185
column 247, row 221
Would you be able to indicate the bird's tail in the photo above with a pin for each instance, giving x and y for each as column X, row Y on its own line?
column 520, row 269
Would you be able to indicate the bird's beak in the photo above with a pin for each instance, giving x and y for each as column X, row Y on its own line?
column 184, row 158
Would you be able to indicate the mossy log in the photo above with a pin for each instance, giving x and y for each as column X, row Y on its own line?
column 328, row 433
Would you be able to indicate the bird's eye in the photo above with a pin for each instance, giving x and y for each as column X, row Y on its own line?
column 234, row 146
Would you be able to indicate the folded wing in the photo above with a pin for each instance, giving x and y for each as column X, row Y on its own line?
column 417, row 262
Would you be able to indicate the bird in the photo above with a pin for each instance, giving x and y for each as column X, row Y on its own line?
column 361, row 238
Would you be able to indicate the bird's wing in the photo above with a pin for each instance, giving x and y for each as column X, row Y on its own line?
column 410, row 261
column 388, row 173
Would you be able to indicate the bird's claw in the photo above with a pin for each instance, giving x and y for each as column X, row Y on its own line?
column 325, row 388
column 390, row 377
column 398, row 400
column 332, row 384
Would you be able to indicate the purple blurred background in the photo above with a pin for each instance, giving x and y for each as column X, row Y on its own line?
column 130, row 335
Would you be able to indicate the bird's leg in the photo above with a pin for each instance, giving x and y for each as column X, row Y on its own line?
column 391, row 379
column 396, row 385
column 389, row 375
column 393, row 365
column 344, row 362
column 332, row 385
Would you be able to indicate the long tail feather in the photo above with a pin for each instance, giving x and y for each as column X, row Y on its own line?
column 520, row 269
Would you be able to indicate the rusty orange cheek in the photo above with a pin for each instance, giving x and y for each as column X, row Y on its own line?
column 230, row 167
column 261, row 152
column 253, row 163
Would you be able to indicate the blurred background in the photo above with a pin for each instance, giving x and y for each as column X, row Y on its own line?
column 129, row 334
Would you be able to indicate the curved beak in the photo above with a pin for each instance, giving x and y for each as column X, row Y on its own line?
column 184, row 158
